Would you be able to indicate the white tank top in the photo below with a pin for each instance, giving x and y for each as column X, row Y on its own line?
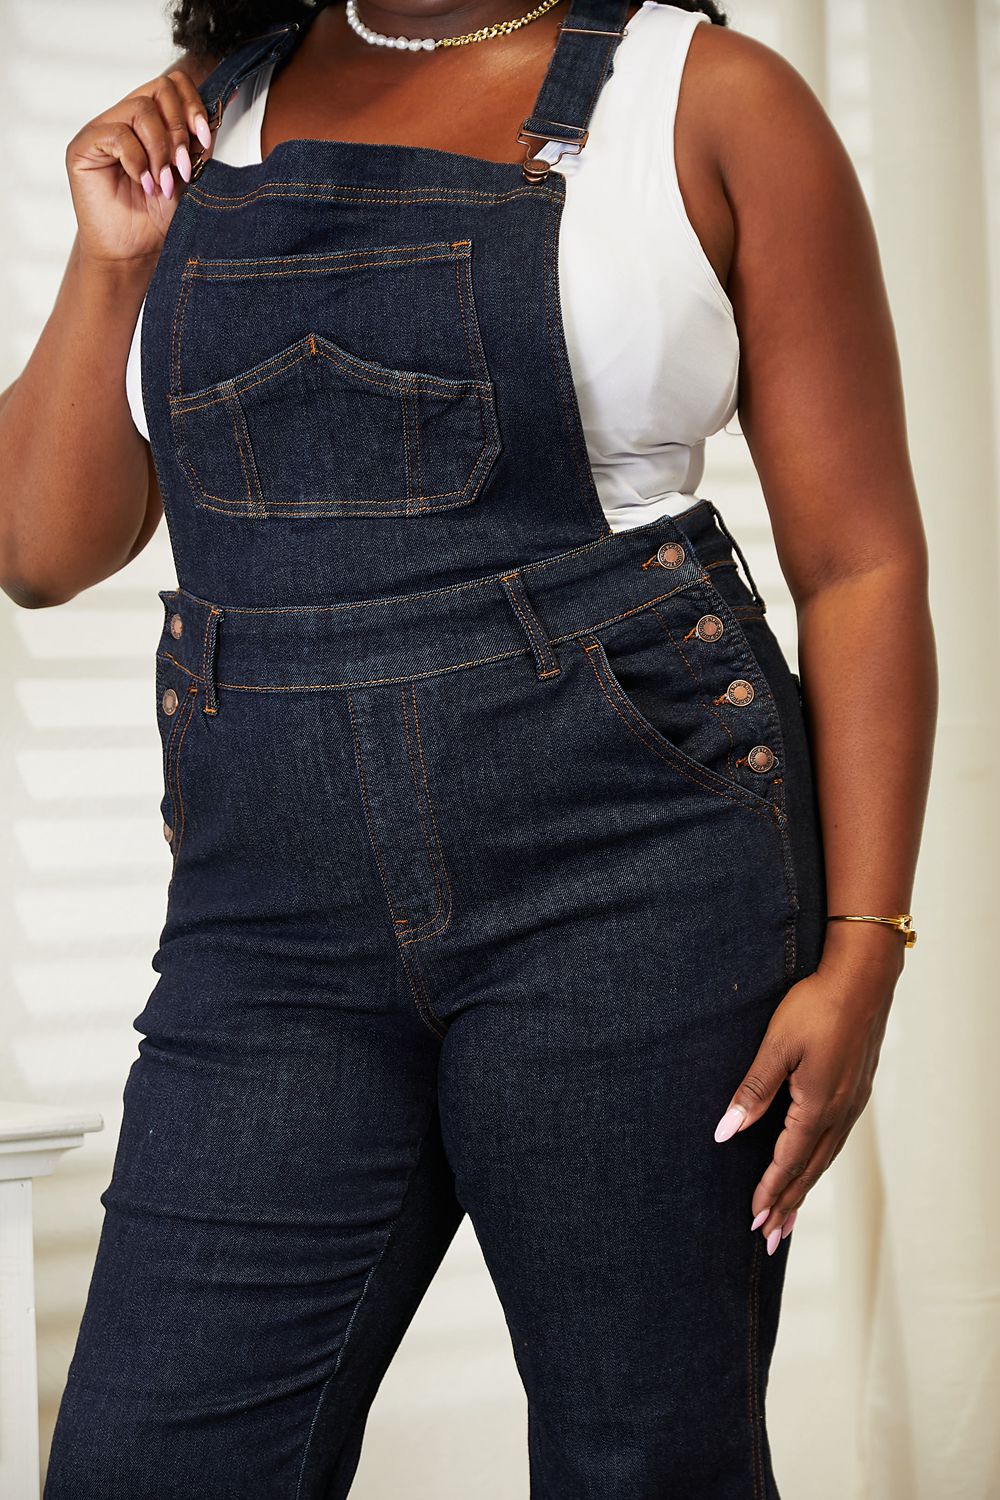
column 650, row 331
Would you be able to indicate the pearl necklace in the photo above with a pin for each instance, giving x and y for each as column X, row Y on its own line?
column 428, row 43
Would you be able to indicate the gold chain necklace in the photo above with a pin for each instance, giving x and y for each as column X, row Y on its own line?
column 428, row 43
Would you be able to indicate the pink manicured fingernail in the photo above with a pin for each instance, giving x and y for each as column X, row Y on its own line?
column 730, row 1122
column 761, row 1217
column 773, row 1241
column 203, row 131
column 167, row 182
column 148, row 185
column 183, row 161
column 786, row 1231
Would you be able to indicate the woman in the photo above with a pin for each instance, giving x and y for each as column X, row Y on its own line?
column 507, row 853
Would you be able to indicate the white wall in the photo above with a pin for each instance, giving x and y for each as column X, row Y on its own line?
column 82, row 884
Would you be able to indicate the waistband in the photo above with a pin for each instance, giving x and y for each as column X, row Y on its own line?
column 364, row 643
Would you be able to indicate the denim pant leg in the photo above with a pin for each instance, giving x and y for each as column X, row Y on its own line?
column 631, row 914
column 276, row 1214
column 579, row 1111
column 280, row 1199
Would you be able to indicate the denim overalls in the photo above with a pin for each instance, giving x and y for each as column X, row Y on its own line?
column 494, row 846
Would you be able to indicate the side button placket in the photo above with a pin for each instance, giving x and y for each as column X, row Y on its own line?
column 739, row 693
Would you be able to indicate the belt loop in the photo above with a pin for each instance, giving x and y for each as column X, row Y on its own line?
column 738, row 550
column 208, row 659
column 546, row 664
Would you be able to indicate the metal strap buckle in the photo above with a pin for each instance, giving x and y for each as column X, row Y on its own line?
column 593, row 30
column 214, row 121
column 535, row 170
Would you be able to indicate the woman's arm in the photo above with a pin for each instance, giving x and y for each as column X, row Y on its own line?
column 78, row 493
column 78, row 498
column 821, row 405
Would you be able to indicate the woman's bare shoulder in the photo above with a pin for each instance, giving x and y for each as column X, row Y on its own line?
column 757, row 112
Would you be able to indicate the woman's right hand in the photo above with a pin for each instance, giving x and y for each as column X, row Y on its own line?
column 127, row 168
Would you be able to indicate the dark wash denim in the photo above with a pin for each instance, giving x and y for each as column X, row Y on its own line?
column 478, row 903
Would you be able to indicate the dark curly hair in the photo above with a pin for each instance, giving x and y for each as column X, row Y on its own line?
column 212, row 28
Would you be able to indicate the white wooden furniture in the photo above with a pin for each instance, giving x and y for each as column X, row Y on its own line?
column 32, row 1139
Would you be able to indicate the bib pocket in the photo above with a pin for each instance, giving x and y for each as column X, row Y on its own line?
column 348, row 384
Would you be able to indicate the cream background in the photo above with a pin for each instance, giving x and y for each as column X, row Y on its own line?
column 886, row 1380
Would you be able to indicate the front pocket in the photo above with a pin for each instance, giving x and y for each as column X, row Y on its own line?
column 176, row 700
column 380, row 404
column 693, row 696
column 315, row 430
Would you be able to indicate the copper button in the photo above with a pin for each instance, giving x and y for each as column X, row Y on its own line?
column 170, row 701
column 168, row 832
column 176, row 626
column 709, row 628
column 761, row 758
column 670, row 555
column 740, row 692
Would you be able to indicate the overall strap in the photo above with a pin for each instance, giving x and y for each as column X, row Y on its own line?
column 236, row 67
column 581, row 63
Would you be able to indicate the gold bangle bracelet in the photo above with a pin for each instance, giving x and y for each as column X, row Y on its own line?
column 903, row 923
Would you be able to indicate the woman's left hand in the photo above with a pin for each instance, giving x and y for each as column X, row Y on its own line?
column 824, row 1037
